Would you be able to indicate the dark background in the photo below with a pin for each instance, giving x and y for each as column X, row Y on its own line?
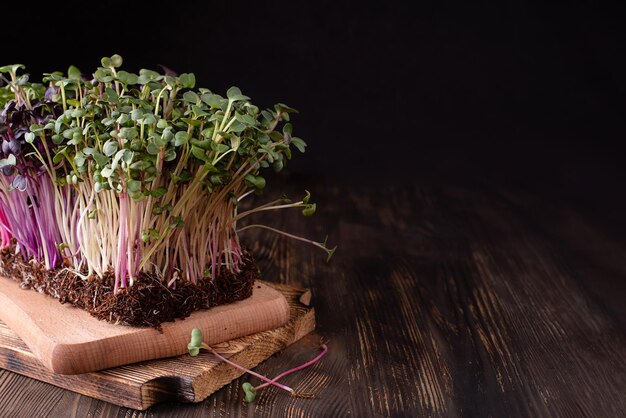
column 387, row 92
column 512, row 294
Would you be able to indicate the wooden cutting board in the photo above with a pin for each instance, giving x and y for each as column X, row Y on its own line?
column 68, row 340
column 182, row 379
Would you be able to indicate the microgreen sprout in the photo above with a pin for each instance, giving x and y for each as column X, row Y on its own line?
column 136, row 173
column 249, row 390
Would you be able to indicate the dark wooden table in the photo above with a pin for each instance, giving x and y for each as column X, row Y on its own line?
column 442, row 300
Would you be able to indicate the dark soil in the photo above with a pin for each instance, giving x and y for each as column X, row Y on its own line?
column 149, row 302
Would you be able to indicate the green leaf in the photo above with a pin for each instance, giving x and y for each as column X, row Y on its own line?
column 169, row 155
column 192, row 122
column 196, row 340
column 107, row 172
column 127, row 78
column 129, row 133
column 127, row 157
column 100, row 159
column 8, row 162
column 159, row 192
column 162, row 124
column 151, row 233
column 245, row 119
column 268, row 116
column 136, row 114
column 122, row 155
column 299, row 143
column 249, row 392
column 278, row 165
column 153, row 149
column 73, row 102
column 136, row 196
column 166, row 136
column 116, row 61
column 222, row 148
column 133, row 185
column 59, row 156
column 187, row 80
column 68, row 133
column 234, row 143
column 36, row 129
column 199, row 153
column 29, row 137
column 215, row 179
column 198, row 111
column 257, row 182
column 123, row 118
column 215, row 101
column 103, row 75
column 110, row 147
column 77, row 113
column 74, row 73
column 234, row 94
column 309, row 210
column 184, row 177
column 263, row 138
column 11, row 68
column 146, row 76
column 191, row 97
column 140, row 165
column 111, row 95
column 237, row 127
column 148, row 119
column 281, row 107
column 79, row 159
column 181, row 138
column 177, row 222
column 252, row 109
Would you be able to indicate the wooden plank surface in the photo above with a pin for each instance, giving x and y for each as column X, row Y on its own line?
column 68, row 340
column 443, row 300
column 183, row 378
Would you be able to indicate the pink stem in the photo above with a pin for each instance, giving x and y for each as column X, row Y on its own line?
column 236, row 253
column 213, row 252
column 295, row 369
column 138, row 246
column 4, row 230
column 243, row 369
column 121, row 262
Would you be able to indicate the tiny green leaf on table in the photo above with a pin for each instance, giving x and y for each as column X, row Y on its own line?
column 249, row 392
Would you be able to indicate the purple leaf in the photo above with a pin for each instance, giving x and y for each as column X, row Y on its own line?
column 20, row 183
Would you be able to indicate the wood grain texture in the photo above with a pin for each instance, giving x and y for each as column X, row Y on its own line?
column 444, row 299
column 183, row 378
column 68, row 340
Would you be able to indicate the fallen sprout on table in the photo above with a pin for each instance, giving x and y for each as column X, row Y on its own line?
column 249, row 390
